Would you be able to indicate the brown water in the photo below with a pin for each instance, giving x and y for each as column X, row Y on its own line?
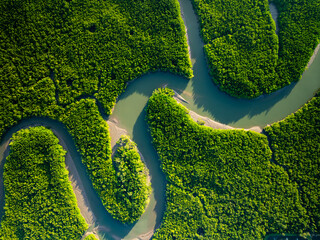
column 205, row 99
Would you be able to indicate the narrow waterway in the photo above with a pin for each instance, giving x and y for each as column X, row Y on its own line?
column 206, row 99
column 203, row 97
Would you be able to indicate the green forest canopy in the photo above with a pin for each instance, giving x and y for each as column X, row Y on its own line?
column 87, row 48
column 222, row 184
column 39, row 201
column 91, row 134
column 245, row 55
column 132, row 185
column 54, row 53
column 295, row 142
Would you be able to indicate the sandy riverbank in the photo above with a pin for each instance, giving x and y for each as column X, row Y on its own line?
column 115, row 132
column 211, row 123
column 313, row 55
column 77, row 184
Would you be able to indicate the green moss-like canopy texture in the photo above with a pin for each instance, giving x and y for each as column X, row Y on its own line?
column 55, row 53
column 91, row 134
column 39, row 201
column 91, row 237
column 221, row 183
column 245, row 55
column 132, row 186
column 295, row 142
column 86, row 47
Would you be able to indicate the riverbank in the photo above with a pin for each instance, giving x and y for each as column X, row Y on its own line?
column 211, row 123
column 216, row 125
column 315, row 52
column 71, row 156
column 77, row 184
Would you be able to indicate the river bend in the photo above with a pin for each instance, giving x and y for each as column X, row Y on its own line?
column 202, row 96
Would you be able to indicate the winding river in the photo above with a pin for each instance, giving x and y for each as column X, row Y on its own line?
column 202, row 96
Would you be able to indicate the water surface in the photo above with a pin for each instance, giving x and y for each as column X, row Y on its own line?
column 204, row 98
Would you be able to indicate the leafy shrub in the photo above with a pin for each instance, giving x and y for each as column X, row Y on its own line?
column 91, row 237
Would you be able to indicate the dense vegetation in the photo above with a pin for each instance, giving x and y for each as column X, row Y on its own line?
column 91, row 134
column 22, row 102
column 55, row 53
column 133, row 188
column 40, row 203
column 245, row 56
column 295, row 142
column 89, row 47
column 299, row 34
column 221, row 183
column 91, row 237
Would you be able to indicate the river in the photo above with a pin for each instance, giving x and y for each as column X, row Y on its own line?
column 203, row 97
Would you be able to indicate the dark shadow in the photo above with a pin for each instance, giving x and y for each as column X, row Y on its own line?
column 93, row 28
column 3, row 156
column 286, row 237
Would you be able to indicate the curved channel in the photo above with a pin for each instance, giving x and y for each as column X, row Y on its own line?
column 202, row 96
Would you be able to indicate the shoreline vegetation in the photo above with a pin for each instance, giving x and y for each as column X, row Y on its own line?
column 35, row 174
column 209, row 122
column 247, row 61
column 211, row 173
column 133, row 183
column 59, row 58
column 74, row 177
column 91, row 135
column 52, row 55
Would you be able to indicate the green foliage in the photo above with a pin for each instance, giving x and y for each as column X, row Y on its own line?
column 20, row 102
column 221, row 183
column 299, row 34
column 244, row 54
column 295, row 142
column 201, row 122
column 54, row 53
column 40, row 203
column 91, row 237
column 90, row 47
column 91, row 134
column 132, row 187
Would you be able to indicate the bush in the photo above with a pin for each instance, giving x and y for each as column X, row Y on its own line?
column 91, row 237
